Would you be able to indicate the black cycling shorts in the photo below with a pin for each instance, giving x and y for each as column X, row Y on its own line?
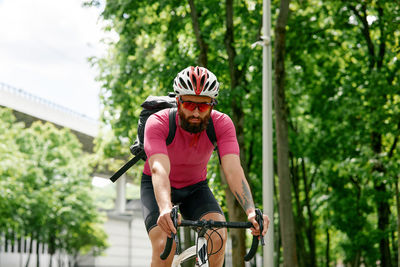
column 194, row 201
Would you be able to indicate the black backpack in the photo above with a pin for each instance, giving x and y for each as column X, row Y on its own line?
column 151, row 105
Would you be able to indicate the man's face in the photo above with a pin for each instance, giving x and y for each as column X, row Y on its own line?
column 193, row 117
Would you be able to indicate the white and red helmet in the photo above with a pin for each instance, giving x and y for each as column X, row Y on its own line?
column 196, row 81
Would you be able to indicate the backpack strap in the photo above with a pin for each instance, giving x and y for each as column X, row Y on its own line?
column 211, row 133
column 172, row 126
column 127, row 165
column 212, row 136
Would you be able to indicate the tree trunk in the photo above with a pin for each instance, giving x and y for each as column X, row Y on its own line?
column 235, row 211
column 285, row 206
column 311, row 228
column 383, row 207
column 29, row 251
column 327, row 256
column 383, row 224
column 300, row 220
column 237, row 236
column 356, row 260
column 38, row 253
column 277, row 234
column 398, row 220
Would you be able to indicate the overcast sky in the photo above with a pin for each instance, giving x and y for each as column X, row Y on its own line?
column 44, row 46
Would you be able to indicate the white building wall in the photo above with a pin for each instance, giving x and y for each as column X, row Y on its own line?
column 129, row 245
column 141, row 246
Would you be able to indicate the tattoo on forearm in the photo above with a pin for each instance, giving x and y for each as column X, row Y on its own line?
column 244, row 197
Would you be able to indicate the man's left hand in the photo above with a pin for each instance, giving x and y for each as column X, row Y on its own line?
column 256, row 229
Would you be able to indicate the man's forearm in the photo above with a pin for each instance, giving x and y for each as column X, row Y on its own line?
column 236, row 179
column 243, row 195
column 160, row 167
column 162, row 192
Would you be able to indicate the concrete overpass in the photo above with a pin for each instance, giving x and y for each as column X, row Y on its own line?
column 29, row 108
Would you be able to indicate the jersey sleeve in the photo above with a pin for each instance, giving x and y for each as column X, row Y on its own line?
column 155, row 134
column 226, row 134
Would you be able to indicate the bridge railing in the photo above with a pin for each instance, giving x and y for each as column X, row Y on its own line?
column 27, row 95
column 41, row 108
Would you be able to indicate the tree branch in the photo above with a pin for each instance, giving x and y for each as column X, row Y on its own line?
column 382, row 45
column 365, row 31
column 393, row 147
column 203, row 46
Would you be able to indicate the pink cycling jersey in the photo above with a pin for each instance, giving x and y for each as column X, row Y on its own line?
column 188, row 153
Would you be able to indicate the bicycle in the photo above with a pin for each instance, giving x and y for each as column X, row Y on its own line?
column 200, row 250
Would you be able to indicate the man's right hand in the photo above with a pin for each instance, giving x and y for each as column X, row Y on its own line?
column 165, row 222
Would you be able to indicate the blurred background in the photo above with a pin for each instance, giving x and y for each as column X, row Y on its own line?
column 74, row 73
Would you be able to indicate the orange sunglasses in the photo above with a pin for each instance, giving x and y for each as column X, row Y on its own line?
column 202, row 106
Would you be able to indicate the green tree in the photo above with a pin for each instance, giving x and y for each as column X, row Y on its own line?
column 344, row 118
column 45, row 177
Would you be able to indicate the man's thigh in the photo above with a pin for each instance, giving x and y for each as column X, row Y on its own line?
column 199, row 202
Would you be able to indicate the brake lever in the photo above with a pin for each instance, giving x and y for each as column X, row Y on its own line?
column 174, row 217
column 260, row 221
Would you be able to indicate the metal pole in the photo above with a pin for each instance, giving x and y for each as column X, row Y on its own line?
column 120, row 201
column 268, row 172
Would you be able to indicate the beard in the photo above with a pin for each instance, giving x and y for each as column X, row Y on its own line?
column 193, row 127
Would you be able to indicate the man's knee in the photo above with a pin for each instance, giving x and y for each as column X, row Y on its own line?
column 158, row 240
column 217, row 240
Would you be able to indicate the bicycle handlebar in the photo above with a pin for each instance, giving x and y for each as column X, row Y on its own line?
column 209, row 224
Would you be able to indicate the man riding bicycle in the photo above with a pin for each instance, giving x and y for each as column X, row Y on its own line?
column 177, row 173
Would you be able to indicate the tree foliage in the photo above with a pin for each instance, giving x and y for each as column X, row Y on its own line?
column 342, row 93
column 45, row 188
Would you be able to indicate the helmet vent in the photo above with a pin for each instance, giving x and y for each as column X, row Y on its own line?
column 190, row 86
column 183, row 83
column 213, row 84
column 194, row 80
column 206, row 86
column 202, row 81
